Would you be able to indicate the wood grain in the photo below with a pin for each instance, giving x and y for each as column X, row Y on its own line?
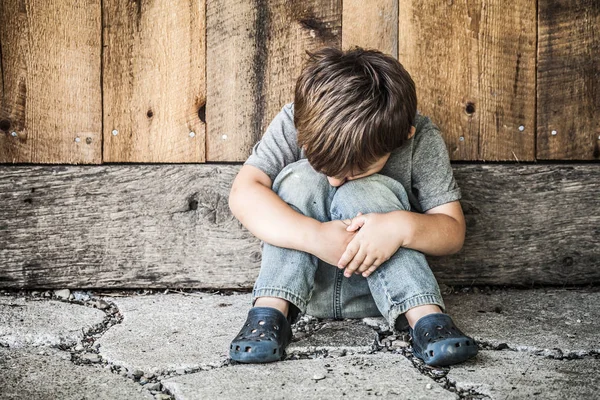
column 372, row 25
column 154, row 81
column 50, row 94
column 255, row 53
column 474, row 67
column 169, row 226
column 568, row 91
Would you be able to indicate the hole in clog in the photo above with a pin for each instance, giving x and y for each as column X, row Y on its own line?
column 262, row 335
column 248, row 349
column 468, row 344
column 274, row 351
column 431, row 353
column 439, row 327
column 457, row 345
column 261, row 322
column 275, row 327
column 426, row 334
column 237, row 348
column 253, row 330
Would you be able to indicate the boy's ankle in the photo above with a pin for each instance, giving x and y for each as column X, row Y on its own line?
column 416, row 313
column 274, row 302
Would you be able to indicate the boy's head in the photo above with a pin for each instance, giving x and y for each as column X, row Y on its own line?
column 351, row 109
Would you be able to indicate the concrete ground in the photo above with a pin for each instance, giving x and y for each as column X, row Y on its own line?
column 536, row 343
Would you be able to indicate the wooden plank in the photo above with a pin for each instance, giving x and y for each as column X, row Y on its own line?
column 170, row 226
column 255, row 53
column 474, row 67
column 373, row 25
column 154, row 81
column 50, row 95
column 568, row 91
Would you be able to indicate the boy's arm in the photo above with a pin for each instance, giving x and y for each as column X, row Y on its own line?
column 438, row 232
column 266, row 215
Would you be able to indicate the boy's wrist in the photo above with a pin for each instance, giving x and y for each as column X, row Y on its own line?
column 310, row 235
column 405, row 227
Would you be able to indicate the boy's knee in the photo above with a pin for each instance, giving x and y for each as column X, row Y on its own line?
column 304, row 189
column 373, row 193
column 296, row 176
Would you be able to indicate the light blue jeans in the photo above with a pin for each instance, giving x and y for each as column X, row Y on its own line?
column 317, row 288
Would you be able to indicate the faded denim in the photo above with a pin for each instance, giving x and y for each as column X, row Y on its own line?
column 320, row 289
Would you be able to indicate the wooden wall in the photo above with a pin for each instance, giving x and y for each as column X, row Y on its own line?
column 200, row 80
column 110, row 83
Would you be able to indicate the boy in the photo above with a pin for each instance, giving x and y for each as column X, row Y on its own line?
column 330, row 190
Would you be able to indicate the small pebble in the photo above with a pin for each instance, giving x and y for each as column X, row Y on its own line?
column 318, row 377
column 78, row 347
column 138, row 373
column 94, row 358
column 180, row 371
column 428, row 386
column 62, row 294
column 153, row 386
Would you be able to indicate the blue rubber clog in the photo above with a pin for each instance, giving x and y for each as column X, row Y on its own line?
column 263, row 338
column 438, row 342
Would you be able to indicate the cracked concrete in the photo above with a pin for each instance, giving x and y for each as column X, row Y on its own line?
column 509, row 374
column 351, row 377
column 176, row 346
column 539, row 320
column 28, row 373
column 39, row 322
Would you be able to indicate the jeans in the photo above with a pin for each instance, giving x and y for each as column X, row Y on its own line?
column 317, row 288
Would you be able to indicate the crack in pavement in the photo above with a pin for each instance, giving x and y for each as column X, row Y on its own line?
column 87, row 353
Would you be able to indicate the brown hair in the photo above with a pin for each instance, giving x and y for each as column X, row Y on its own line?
column 351, row 108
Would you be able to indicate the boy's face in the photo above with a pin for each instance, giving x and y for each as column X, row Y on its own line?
column 373, row 169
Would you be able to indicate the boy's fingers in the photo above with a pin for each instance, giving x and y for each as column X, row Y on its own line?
column 347, row 256
column 366, row 264
column 370, row 270
column 354, row 264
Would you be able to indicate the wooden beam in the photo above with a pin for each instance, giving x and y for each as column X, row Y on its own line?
column 156, row 226
column 568, row 92
column 154, row 86
column 473, row 63
column 255, row 52
column 372, row 25
column 50, row 94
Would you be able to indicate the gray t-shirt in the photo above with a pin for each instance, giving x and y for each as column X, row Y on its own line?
column 421, row 165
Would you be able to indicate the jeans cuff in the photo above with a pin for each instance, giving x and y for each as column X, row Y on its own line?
column 419, row 300
column 281, row 293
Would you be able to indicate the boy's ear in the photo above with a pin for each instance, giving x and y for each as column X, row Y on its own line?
column 413, row 130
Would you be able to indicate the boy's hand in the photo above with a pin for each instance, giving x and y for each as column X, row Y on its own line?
column 378, row 237
column 332, row 240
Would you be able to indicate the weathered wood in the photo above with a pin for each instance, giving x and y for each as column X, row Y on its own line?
column 372, row 25
column 474, row 67
column 568, row 89
column 170, row 226
column 154, row 81
column 255, row 53
column 50, row 95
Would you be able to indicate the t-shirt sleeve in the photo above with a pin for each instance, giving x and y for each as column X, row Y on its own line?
column 279, row 145
column 432, row 178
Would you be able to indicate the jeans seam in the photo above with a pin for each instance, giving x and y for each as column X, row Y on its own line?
column 337, row 294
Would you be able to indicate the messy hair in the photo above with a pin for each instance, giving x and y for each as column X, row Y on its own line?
column 351, row 108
